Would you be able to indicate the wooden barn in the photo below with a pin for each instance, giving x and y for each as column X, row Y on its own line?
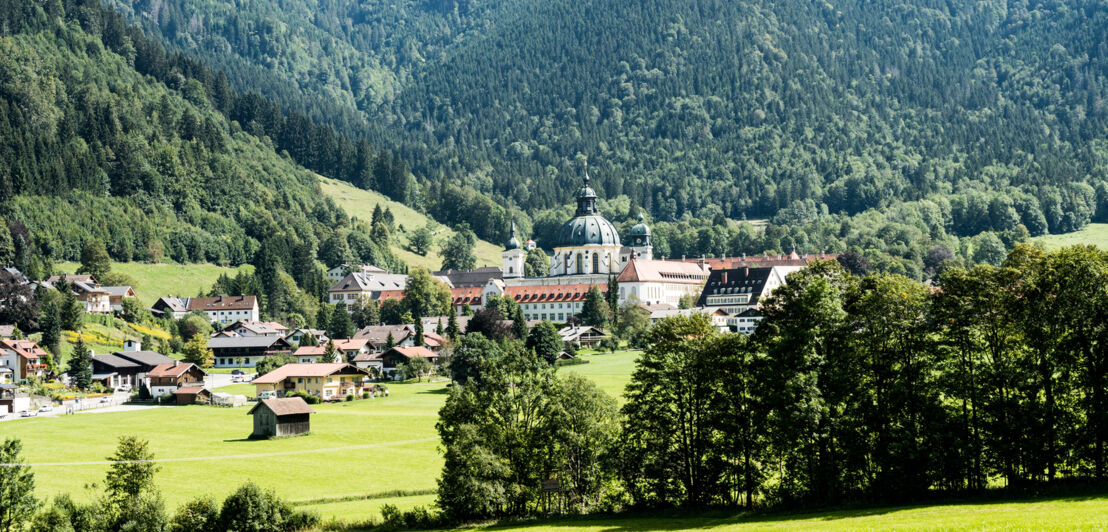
column 281, row 417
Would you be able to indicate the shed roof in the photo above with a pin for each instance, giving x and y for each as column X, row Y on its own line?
column 284, row 406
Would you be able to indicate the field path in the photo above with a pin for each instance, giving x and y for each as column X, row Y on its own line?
column 228, row 456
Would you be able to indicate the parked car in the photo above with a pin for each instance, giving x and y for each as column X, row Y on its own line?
column 28, row 413
column 268, row 394
column 124, row 388
column 46, row 408
column 238, row 372
column 236, row 378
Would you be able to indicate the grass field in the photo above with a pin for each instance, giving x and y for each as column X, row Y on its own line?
column 360, row 203
column 153, row 281
column 1096, row 234
column 1079, row 513
column 359, row 456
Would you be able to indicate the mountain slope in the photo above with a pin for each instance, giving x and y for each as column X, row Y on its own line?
column 689, row 106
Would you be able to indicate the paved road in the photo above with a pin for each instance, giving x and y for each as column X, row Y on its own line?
column 219, row 380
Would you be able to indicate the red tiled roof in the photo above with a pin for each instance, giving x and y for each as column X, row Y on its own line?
column 350, row 344
column 170, row 370
column 390, row 294
column 189, row 390
column 639, row 270
column 415, row 351
column 309, row 351
column 24, row 348
column 547, row 293
column 284, row 406
column 466, row 296
column 304, row 370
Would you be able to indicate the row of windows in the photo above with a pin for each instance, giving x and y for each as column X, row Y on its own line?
column 561, row 316
column 545, row 306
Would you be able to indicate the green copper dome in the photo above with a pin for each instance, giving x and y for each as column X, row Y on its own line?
column 588, row 227
column 640, row 229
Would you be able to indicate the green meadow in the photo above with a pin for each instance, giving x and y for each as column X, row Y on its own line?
column 360, row 203
column 153, row 281
column 1096, row 234
column 364, row 454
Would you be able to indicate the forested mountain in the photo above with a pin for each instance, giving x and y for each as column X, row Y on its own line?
column 957, row 116
column 106, row 137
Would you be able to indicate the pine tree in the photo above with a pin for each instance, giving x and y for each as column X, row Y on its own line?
column 613, row 301
column 595, row 310
column 196, row 351
column 51, row 325
column 452, row 330
column 418, row 329
column 329, row 352
column 390, row 342
column 80, row 365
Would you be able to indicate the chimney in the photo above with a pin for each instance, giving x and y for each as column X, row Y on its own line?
column 724, row 277
column 746, row 271
column 175, row 362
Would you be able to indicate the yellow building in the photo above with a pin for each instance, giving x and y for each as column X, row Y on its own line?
column 329, row 382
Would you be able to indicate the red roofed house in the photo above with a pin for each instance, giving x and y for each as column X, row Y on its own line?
column 22, row 359
column 166, row 379
column 310, row 354
column 469, row 296
column 352, row 347
column 554, row 302
column 392, row 358
column 655, row 282
column 327, row 381
column 222, row 309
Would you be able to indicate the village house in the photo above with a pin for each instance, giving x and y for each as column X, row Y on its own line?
column 295, row 336
column 221, row 309
column 338, row 272
column 166, row 379
column 393, row 358
column 327, row 381
column 21, row 359
column 315, row 353
column 281, row 417
column 582, row 335
column 256, row 328
column 366, row 284
column 127, row 367
column 739, row 290
column 378, row 336
column 245, row 351
column 97, row 299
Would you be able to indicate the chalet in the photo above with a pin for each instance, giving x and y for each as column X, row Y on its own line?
column 365, row 284
column 245, row 351
column 378, row 336
column 166, row 379
column 297, row 335
column 371, row 362
column 281, row 417
column 256, row 328
column 193, row 395
column 393, row 358
column 352, row 347
column 327, row 381
column 21, row 359
column 221, row 309
column 127, row 367
column 314, row 353
column 582, row 335
column 96, row 299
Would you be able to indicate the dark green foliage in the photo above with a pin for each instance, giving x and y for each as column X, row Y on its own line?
column 17, row 488
column 490, row 323
column 80, row 365
column 72, row 311
column 253, row 509
column 273, row 362
column 340, row 326
column 94, row 259
column 544, row 341
column 457, row 251
column 594, row 311
column 536, row 263
column 198, row 515
column 420, row 240
column 50, row 322
column 131, row 472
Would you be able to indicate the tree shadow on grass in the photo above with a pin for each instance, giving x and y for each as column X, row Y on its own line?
column 435, row 391
column 692, row 520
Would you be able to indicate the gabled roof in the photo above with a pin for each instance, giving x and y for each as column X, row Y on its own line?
column 146, row 358
column 470, row 295
column 24, row 348
column 569, row 334
column 284, row 407
column 121, row 291
column 738, row 281
column 370, row 282
column 174, row 304
column 209, row 304
column 310, row 351
column 641, row 270
column 115, row 361
column 412, row 352
column 228, row 342
column 470, row 278
column 350, row 344
column 379, row 334
column 307, row 370
column 7, row 331
column 172, row 370
column 71, row 278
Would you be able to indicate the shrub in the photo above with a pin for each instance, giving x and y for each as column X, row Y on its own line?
column 418, row 517
column 349, row 398
column 199, row 515
column 365, row 395
column 252, row 509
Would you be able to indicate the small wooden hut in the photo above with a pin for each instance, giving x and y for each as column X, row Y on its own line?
column 281, row 417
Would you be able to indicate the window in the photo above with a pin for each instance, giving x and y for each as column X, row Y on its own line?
column 596, row 263
column 580, row 264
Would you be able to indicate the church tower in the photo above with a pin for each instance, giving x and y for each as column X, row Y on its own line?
column 513, row 256
column 640, row 240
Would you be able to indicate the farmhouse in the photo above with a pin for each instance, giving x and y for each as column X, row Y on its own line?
column 313, row 353
column 365, row 284
column 245, row 351
column 582, row 335
column 20, row 359
column 393, row 358
column 281, row 417
column 126, row 368
column 378, row 336
column 193, row 395
column 327, row 381
column 256, row 328
column 222, row 309
column 166, row 379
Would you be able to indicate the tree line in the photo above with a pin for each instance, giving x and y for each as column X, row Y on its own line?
column 852, row 389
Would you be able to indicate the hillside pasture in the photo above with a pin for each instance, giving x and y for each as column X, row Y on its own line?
column 153, row 281
column 1095, row 234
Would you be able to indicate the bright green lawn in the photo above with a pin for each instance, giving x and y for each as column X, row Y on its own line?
column 357, row 448
column 1056, row 514
column 245, row 388
column 610, row 371
column 1096, row 234
column 360, row 203
column 153, row 281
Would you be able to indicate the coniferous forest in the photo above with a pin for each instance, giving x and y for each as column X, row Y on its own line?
column 889, row 129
